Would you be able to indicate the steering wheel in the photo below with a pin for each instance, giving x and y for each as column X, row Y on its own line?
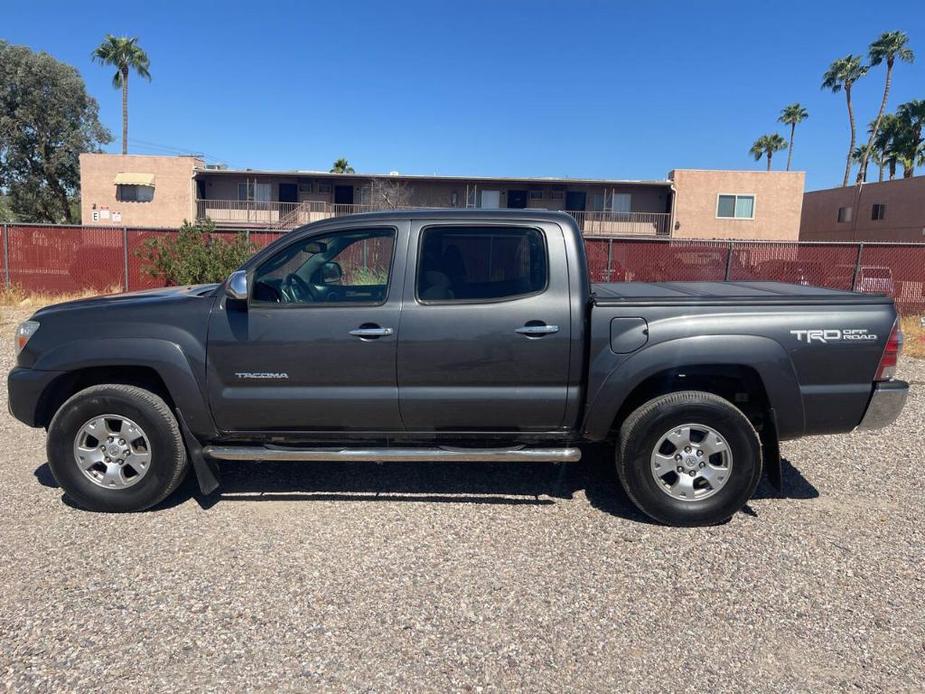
column 296, row 290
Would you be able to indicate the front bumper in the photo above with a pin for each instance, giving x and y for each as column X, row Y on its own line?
column 885, row 404
column 25, row 388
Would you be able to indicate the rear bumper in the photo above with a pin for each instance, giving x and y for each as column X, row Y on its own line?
column 885, row 404
column 25, row 388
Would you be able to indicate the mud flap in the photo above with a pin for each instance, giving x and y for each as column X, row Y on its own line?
column 206, row 470
column 770, row 446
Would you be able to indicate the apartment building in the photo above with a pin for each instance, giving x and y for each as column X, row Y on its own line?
column 136, row 190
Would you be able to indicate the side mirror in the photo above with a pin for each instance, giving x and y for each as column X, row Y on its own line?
column 236, row 286
column 331, row 273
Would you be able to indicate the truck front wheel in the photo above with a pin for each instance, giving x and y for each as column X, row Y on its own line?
column 116, row 448
column 689, row 458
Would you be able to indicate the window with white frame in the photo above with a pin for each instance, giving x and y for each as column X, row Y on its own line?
column 844, row 215
column 251, row 191
column 729, row 206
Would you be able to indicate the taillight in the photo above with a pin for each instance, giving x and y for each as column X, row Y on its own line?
column 894, row 347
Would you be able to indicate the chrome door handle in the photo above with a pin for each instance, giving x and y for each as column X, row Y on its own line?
column 538, row 329
column 371, row 332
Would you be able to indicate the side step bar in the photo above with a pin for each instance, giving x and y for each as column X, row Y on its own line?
column 403, row 455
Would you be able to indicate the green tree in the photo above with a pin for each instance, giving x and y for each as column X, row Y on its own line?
column 125, row 55
column 766, row 146
column 861, row 153
column 910, row 145
column 886, row 142
column 46, row 121
column 842, row 74
column 194, row 255
column 341, row 166
column 888, row 48
column 792, row 115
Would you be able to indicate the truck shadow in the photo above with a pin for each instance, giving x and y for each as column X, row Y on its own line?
column 514, row 484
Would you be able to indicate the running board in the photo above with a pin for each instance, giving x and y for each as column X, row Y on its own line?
column 401, row 455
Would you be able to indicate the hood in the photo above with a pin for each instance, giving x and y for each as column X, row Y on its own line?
column 131, row 299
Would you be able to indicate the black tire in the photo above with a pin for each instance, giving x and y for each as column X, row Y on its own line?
column 168, row 462
column 644, row 429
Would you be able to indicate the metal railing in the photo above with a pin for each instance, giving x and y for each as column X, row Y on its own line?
column 288, row 215
column 606, row 223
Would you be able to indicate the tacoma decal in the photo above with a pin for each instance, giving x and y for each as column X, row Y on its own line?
column 262, row 375
column 834, row 335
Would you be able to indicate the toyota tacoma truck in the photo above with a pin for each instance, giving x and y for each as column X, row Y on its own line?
column 450, row 335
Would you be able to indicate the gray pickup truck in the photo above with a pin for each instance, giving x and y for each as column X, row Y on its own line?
column 451, row 335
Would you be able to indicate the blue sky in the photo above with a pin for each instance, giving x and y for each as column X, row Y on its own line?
column 513, row 88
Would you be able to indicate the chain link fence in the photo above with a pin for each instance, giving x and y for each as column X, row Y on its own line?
column 62, row 259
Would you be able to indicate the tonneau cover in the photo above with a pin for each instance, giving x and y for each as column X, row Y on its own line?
column 725, row 292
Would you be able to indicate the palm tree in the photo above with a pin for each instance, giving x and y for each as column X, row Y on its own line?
column 842, row 74
column 766, row 145
column 341, row 166
column 860, row 154
column 885, row 144
column 891, row 45
column 792, row 115
column 125, row 55
column 910, row 144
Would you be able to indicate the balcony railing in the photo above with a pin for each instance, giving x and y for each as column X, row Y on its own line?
column 289, row 215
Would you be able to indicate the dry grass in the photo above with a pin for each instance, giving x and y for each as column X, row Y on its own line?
column 914, row 332
column 19, row 297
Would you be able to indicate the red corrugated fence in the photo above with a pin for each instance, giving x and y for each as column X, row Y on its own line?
column 58, row 259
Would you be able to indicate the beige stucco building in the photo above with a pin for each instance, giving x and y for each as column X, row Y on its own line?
column 759, row 205
column 163, row 191
column 137, row 190
column 884, row 211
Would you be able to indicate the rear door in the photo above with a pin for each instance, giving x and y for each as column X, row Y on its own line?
column 485, row 328
column 314, row 347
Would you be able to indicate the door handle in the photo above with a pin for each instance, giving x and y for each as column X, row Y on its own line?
column 537, row 330
column 371, row 332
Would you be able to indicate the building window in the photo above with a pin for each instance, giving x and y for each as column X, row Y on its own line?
column 132, row 193
column 324, row 187
column 251, row 191
column 735, row 206
column 844, row 215
column 878, row 212
column 536, row 194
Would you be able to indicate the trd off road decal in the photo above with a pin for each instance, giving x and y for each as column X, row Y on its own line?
column 833, row 335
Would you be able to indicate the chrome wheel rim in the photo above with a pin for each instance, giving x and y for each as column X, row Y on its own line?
column 691, row 462
column 112, row 451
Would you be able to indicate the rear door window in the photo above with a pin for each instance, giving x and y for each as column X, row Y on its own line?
column 472, row 264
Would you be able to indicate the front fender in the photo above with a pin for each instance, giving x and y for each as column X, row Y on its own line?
column 165, row 357
column 762, row 354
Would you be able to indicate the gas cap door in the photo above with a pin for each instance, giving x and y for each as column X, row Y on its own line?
column 628, row 334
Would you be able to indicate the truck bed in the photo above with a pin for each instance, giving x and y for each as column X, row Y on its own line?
column 621, row 293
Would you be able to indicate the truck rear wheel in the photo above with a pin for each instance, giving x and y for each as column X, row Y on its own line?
column 116, row 448
column 689, row 458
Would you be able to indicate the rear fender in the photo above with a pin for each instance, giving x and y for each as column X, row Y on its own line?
column 762, row 354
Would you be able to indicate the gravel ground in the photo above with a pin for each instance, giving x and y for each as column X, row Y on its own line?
column 469, row 577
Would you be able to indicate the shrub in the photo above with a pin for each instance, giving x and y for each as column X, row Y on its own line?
column 194, row 255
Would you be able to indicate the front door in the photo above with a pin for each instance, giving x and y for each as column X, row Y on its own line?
column 343, row 195
column 575, row 200
column 288, row 192
column 485, row 329
column 517, row 199
column 314, row 347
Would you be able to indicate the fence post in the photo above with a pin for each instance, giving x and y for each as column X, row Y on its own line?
column 729, row 250
column 125, row 255
column 857, row 268
column 6, row 255
column 609, row 260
